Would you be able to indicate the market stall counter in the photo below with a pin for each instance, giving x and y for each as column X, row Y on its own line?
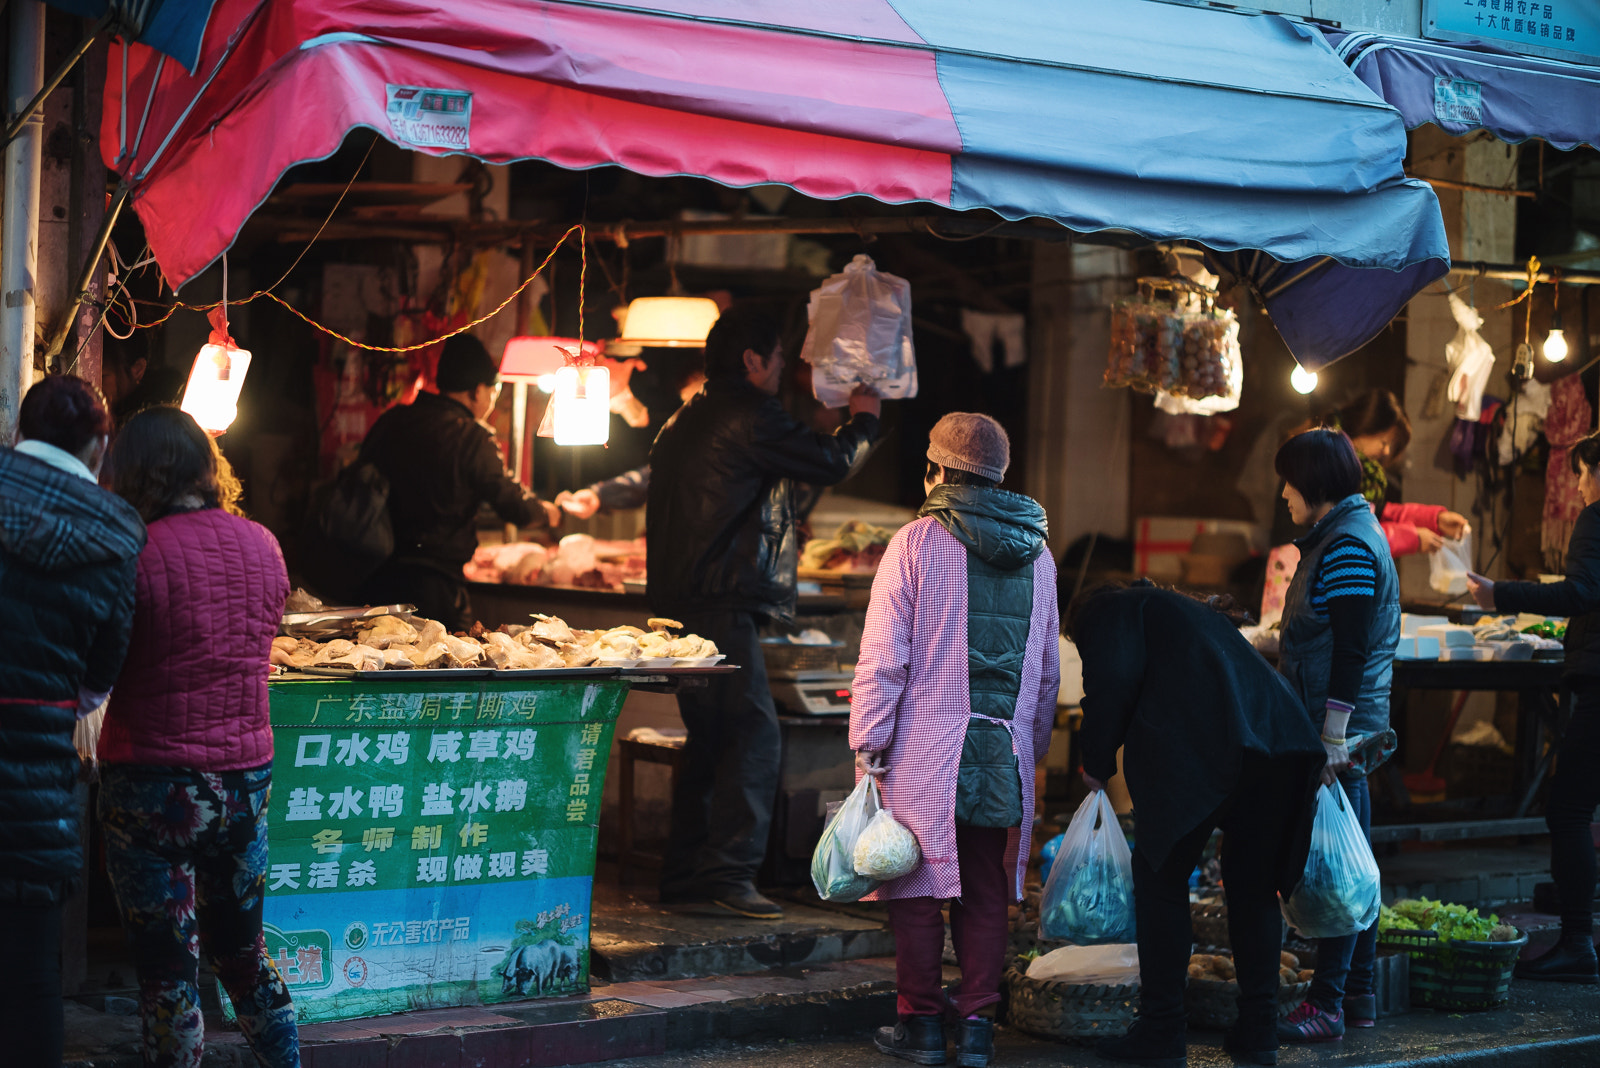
column 1537, row 685
column 434, row 839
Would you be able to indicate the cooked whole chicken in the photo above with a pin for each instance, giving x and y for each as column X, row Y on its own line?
column 388, row 630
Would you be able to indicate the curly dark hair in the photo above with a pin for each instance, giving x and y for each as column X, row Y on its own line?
column 162, row 463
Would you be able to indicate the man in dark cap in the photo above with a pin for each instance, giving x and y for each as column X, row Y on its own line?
column 442, row 463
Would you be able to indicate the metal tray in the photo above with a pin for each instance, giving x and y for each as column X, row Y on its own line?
column 400, row 674
column 337, row 622
column 556, row 673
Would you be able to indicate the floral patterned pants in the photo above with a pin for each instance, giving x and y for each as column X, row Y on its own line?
column 187, row 855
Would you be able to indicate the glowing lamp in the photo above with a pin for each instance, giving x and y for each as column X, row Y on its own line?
column 1302, row 380
column 1555, row 345
column 669, row 322
column 527, row 359
column 212, row 395
column 582, row 406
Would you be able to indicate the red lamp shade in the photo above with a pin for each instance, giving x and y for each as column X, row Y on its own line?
column 527, row 358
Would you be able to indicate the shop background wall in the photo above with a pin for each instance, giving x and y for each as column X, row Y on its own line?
column 1078, row 464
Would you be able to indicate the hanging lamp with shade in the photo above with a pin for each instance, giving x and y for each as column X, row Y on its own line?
column 669, row 322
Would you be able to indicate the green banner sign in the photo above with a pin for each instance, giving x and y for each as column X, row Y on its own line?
column 434, row 844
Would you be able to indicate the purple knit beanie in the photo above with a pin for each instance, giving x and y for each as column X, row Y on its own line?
column 967, row 441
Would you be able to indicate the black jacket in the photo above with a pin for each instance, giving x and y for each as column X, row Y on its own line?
column 441, row 465
column 1177, row 684
column 722, row 500
column 69, row 554
column 1577, row 597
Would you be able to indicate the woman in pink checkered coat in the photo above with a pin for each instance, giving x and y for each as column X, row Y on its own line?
column 955, row 696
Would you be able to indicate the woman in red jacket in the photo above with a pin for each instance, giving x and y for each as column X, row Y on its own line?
column 186, row 750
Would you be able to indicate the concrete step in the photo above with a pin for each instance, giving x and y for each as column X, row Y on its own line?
column 654, row 942
column 613, row 1021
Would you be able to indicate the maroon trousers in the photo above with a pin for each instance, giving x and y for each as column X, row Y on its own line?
column 978, row 927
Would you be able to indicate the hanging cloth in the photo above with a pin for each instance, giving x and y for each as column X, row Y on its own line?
column 1567, row 423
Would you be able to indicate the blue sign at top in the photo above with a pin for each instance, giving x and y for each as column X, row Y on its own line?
column 1560, row 29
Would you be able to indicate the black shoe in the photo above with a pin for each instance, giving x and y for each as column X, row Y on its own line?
column 1571, row 961
column 746, row 901
column 975, row 1043
column 1252, row 1045
column 1150, row 1044
column 915, row 1038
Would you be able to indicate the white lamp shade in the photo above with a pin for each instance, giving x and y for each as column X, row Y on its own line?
column 582, row 405
column 212, row 395
column 669, row 322
column 526, row 358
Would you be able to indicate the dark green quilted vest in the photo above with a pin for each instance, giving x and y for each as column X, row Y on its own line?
column 999, row 610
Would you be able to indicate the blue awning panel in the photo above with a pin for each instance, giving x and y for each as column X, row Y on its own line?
column 1461, row 88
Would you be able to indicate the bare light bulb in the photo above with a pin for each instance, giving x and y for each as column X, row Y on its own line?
column 1302, row 380
column 1555, row 345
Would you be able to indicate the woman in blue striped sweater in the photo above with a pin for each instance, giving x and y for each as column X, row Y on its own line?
column 1341, row 622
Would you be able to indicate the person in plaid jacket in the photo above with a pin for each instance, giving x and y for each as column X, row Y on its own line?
column 954, row 700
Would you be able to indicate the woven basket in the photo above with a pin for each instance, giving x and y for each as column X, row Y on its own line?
column 1214, row 1004
column 1461, row 976
column 1210, row 922
column 1053, row 1009
column 786, row 657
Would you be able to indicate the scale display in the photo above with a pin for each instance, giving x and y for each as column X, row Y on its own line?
column 826, row 696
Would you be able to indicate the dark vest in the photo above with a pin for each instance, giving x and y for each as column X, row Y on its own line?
column 1306, row 650
column 999, row 613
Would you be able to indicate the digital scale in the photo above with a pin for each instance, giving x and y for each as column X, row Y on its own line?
column 813, row 693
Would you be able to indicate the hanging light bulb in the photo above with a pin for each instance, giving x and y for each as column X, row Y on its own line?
column 1302, row 380
column 582, row 404
column 212, row 395
column 1555, row 343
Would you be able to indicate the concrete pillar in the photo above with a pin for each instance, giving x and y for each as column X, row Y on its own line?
column 1078, row 456
column 20, row 237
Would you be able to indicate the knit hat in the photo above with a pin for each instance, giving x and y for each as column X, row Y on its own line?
column 967, row 441
column 464, row 365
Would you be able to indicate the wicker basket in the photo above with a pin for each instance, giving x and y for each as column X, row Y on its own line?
column 784, row 658
column 1460, row 976
column 1053, row 1009
column 1210, row 922
column 1214, row 1004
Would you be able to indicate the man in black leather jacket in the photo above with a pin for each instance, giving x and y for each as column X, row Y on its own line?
column 723, row 549
column 442, row 463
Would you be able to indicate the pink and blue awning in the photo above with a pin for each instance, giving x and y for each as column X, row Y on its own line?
column 1243, row 134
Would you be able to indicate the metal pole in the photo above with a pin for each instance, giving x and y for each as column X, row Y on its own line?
column 80, row 292
column 19, row 242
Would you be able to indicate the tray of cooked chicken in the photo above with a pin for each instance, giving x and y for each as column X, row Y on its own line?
column 546, row 648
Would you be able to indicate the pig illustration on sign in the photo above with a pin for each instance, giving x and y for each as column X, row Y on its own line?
column 567, row 966
column 531, row 969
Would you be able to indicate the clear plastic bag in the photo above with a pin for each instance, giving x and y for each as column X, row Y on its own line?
column 833, row 867
column 1339, row 894
column 1088, row 898
column 1447, row 568
column 860, row 334
column 886, row 849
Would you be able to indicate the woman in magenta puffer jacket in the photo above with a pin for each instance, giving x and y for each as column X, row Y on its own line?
column 186, row 751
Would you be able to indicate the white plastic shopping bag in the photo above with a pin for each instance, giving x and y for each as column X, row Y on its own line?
column 1339, row 893
column 1088, row 898
column 886, row 849
column 1447, row 568
column 833, row 866
column 860, row 334
column 86, row 740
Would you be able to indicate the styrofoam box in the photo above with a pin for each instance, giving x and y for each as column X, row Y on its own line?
column 1410, row 624
column 1449, row 635
column 1417, row 648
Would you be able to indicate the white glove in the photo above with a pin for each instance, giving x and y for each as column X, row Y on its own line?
column 1337, row 718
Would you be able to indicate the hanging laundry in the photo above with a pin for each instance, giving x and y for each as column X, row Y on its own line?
column 1471, row 360
column 1526, row 419
column 1568, row 422
column 985, row 329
